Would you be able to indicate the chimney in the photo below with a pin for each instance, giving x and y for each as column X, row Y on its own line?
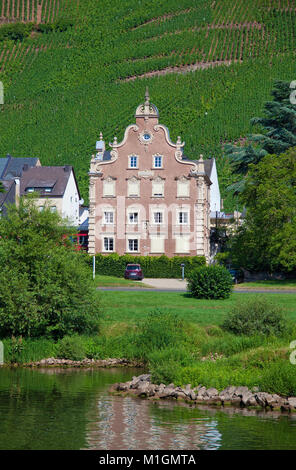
column 17, row 191
column 25, row 167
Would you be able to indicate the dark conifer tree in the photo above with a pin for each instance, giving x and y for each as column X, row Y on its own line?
column 278, row 134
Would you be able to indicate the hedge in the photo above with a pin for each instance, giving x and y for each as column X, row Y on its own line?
column 152, row 266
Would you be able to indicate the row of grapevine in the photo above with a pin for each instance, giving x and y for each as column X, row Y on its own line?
column 36, row 11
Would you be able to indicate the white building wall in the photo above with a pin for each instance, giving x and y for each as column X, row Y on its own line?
column 70, row 207
column 215, row 198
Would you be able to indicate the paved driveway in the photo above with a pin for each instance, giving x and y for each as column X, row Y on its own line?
column 166, row 284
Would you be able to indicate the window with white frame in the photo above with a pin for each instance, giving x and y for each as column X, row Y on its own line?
column 133, row 217
column 133, row 161
column 108, row 217
column 157, row 188
column 109, row 188
column 108, row 244
column 133, row 244
column 157, row 161
column 183, row 217
column 133, row 188
column 157, row 217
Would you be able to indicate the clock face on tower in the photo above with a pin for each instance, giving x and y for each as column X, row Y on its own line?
column 145, row 137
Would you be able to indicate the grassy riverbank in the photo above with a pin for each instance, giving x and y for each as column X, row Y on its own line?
column 182, row 342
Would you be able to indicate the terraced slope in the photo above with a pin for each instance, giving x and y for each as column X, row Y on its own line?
column 209, row 66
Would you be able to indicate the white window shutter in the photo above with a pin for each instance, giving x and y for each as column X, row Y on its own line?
column 157, row 188
column 157, row 245
column 133, row 188
column 183, row 189
column 182, row 244
column 109, row 188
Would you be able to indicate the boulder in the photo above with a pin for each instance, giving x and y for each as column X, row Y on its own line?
column 292, row 402
column 122, row 387
column 167, row 392
column 228, row 391
column 263, row 399
column 192, row 395
column 202, row 392
column 248, row 397
column 145, row 377
column 144, row 389
column 239, row 391
column 212, row 392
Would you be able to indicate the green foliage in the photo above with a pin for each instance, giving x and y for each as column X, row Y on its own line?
column 267, row 239
column 30, row 349
column 256, row 316
column 16, row 348
column 158, row 331
column 70, row 347
column 15, row 31
column 45, row 288
column 279, row 134
column 279, row 378
column 152, row 266
column 210, row 282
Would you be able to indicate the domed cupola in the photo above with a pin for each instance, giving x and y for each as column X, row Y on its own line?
column 147, row 110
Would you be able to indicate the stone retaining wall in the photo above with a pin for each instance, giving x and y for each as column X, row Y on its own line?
column 141, row 386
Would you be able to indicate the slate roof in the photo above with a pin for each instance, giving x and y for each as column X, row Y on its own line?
column 11, row 167
column 54, row 177
column 8, row 196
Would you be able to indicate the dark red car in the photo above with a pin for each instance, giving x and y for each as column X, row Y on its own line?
column 133, row 271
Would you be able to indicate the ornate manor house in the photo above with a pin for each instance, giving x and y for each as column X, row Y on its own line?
column 146, row 197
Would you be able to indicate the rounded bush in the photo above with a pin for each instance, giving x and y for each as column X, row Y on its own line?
column 256, row 316
column 210, row 282
column 70, row 347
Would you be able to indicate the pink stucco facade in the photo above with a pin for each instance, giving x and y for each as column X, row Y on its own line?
column 145, row 197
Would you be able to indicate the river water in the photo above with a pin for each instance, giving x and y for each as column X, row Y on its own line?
column 72, row 409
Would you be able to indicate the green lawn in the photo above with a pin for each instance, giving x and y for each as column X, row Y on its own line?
column 112, row 281
column 129, row 307
column 274, row 284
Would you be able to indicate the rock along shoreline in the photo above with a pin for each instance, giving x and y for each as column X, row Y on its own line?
column 56, row 362
column 142, row 387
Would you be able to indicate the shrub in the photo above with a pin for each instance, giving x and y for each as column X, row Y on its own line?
column 210, row 282
column 256, row 316
column 279, row 378
column 15, row 31
column 70, row 347
column 152, row 266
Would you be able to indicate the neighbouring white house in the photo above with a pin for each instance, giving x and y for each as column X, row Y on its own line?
column 56, row 186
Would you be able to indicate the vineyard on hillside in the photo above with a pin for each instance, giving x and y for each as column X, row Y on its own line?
column 209, row 65
column 39, row 11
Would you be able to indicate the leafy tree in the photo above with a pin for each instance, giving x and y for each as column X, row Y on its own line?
column 44, row 284
column 278, row 134
column 267, row 240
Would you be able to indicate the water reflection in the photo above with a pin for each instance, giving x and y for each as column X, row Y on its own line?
column 71, row 409
column 130, row 423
